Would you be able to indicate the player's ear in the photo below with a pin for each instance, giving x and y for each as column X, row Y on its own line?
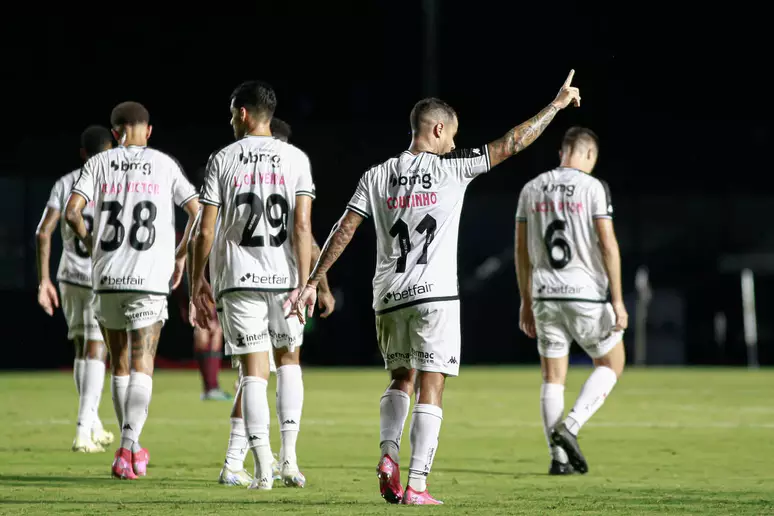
column 115, row 135
column 560, row 155
column 438, row 129
column 150, row 130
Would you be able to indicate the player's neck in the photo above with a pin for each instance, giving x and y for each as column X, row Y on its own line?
column 571, row 163
column 419, row 145
column 259, row 129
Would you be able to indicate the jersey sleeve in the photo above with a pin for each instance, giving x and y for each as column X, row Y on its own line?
column 522, row 207
column 304, row 184
column 601, row 205
column 211, row 193
column 84, row 186
column 467, row 164
column 182, row 189
column 58, row 197
column 360, row 202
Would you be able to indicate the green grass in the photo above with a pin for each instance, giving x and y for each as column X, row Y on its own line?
column 668, row 441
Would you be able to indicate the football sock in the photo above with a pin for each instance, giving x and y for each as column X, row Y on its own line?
column 255, row 409
column 290, row 402
column 552, row 410
column 425, row 428
column 93, row 377
column 237, row 445
column 138, row 397
column 591, row 397
column 118, row 387
column 393, row 411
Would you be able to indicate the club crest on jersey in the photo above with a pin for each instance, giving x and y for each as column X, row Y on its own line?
column 260, row 157
column 426, row 180
column 125, row 166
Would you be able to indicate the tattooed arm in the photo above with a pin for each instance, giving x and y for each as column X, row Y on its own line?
column 522, row 136
column 316, row 252
column 340, row 236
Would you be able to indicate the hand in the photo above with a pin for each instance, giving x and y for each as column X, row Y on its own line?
column 204, row 303
column 301, row 302
column 527, row 320
column 567, row 94
column 177, row 276
column 191, row 313
column 47, row 297
column 326, row 301
column 621, row 317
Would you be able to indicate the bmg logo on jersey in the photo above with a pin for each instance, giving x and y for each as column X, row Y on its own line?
column 260, row 157
column 255, row 279
column 408, row 293
column 125, row 166
column 560, row 188
column 121, row 281
column 426, row 180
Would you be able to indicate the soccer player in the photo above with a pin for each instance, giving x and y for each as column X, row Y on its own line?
column 134, row 262
column 415, row 200
column 74, row 277
column 567, row 259
column 262, row 190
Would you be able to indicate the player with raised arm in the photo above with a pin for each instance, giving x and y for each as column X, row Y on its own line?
column 134, row 189
column 567, row 260
column 262, row 190
column 74, row 277
column 415, row 200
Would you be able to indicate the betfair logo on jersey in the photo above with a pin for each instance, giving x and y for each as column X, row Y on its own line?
column 250, row 340
column 425, row 180
column 563, row 290
column 260, row 157
column 560, row 188
column 255, row 279
column 412, row 291
column 125, row 166
column 123, row 281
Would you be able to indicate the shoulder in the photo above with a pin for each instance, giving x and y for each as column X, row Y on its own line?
column 596, row 183
column 467, row 153
column 293, row 153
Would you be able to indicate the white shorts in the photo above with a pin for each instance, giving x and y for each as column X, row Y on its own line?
column 424, row 337
column 235, row 362
column 78, row 308
column 255, row 322
column 130, row 310
column 591, row 325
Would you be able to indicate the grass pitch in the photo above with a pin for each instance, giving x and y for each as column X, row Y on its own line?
column 668, row 441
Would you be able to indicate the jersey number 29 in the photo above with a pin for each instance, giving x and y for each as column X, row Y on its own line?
column 254, row 216
column 401, row 230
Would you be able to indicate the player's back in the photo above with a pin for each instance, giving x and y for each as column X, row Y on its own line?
column 75, row 263
column 559, row 207
column 135, row 189
column 416, row 203
column 255, row 181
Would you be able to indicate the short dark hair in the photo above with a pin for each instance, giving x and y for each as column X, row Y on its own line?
column 579, row 135
column 129, row 113
column 94, row 138
column 280, row 129
column 256, row 97
column 428, row 107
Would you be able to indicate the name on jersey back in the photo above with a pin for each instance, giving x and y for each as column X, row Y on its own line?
column 413, row 200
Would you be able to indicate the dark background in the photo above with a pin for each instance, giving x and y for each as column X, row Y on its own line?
column 679, row 95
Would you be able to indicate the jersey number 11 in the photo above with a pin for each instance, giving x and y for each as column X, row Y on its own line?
column 401, row 231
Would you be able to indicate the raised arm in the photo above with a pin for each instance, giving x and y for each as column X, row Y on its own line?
column 522, row 136
column 47, row 296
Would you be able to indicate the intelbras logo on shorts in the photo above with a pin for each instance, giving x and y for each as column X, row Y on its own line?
column 255, row 279
column 243, row 340
column 408, row 293
column 425, row 179
column 125, row 166
column 260, row 157
column 122, row 281
column 560, row 290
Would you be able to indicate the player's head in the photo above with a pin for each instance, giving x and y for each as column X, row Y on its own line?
column 252, row 105
column 94, row 140
column 580, row 149
column 130, row 121
column 434, row 122
column 280, row 129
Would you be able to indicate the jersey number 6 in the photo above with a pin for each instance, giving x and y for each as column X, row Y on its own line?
column 400, row 229
column 553, row 244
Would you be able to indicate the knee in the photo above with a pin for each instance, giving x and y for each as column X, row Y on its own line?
column 95, row 350
column 615, row 360
column 403, row 380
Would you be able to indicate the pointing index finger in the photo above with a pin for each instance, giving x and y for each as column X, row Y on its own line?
column 569, row 78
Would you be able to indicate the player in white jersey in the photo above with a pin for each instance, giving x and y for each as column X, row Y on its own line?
column 74, row 277
column 567, row 258
column 135, row 263
column 262, row 190
column 415, row 200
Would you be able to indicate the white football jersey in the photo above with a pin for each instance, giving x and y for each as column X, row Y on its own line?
column 75, row 263
column 559, row 207
column 255, row 182
column 416, row 203
column 134, row 189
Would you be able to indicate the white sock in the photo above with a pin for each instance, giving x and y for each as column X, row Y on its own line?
column 93, row 376
column 290, row 402
column 591, row 397
column 138, row 397
column 255, row 409
column 96, row 425
column 118, row 387
column 78, row 365
column 393, row 411
column 237, row 445
column 425, row 428
column 552, row 410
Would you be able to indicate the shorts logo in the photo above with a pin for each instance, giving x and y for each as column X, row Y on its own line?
column 264, row 280
column 407, row 293
column 112, row 281
column 453, row 361
column 250, row 340
column 561, row 290
column 282, row 337
column 141, row 315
